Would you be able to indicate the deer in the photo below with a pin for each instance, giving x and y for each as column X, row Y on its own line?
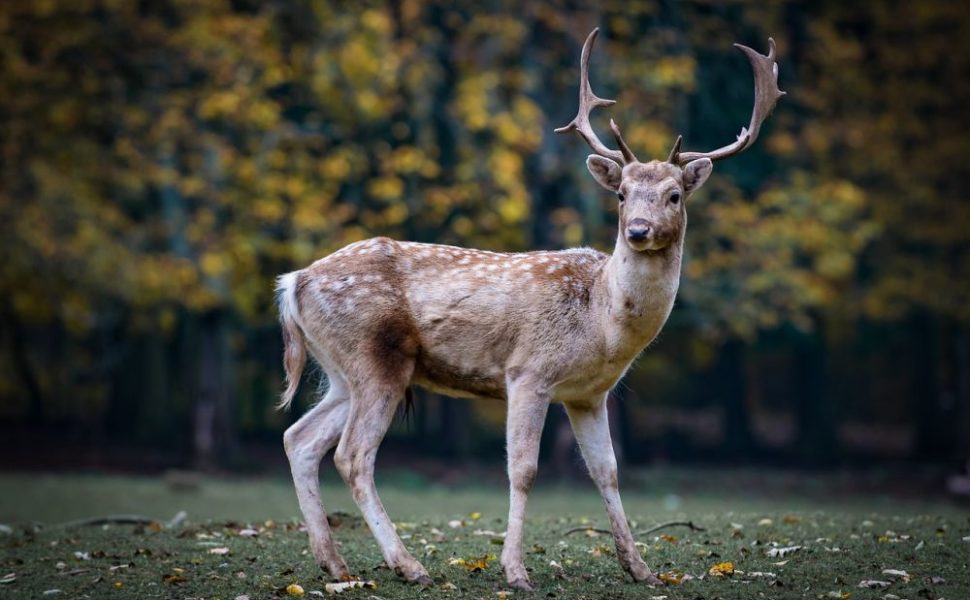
column 530, row 329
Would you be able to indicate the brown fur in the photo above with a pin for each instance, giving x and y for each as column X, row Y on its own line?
column 381, row 316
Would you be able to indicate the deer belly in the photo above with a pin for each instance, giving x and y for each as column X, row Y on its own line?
column 451, row 376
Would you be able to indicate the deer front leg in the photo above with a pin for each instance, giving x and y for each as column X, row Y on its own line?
column 592, row 429
column 526, row 415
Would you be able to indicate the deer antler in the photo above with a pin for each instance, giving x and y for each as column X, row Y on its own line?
column 587, row 102
column 766, row 95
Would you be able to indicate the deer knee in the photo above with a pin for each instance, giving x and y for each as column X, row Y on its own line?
column 345, row 460
column 523, row 476
column 291, row 441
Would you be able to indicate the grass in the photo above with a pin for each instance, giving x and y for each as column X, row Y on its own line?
column 844, row 540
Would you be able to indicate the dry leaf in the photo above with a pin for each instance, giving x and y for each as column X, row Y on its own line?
column 8, row 578
column 791, row 520
column 219, row 551
column 721, row 569
column 839, row 594
column 873, row 584
column 343, row 586
column 473, row 565
column 668, row 538
column 781, row 552
column 766, row 522
column 897, row 574
column 671, row 577
column 295, row 589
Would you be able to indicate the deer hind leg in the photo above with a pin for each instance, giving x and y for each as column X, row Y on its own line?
column 592, row 430
column 526, row 416
column 306, row 443
column 372, row 410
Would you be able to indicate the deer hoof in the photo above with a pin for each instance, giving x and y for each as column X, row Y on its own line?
column 523, row 585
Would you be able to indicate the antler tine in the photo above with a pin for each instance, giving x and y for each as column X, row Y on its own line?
column 766, row 95
column 587, row 102
column 628, row 155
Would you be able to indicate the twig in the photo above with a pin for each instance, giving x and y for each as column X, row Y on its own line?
column 671, row 524
column 177, row 520
column 578, row 529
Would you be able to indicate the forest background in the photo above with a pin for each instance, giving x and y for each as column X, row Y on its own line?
column 162, row 161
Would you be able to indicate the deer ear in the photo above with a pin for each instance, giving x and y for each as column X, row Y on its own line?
column 696, row 173
column 605, row 171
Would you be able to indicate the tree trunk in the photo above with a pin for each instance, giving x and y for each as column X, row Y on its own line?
column 214, row 432
column 817, row 441
column 732, row 397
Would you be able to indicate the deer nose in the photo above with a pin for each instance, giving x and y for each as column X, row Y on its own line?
column 638, row 230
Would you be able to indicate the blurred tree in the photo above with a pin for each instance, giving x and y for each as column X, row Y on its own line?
column 163, row 161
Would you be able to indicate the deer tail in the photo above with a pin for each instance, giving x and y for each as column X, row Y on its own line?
column 294, row 345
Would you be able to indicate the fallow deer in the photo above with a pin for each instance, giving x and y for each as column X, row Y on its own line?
column 528, row 328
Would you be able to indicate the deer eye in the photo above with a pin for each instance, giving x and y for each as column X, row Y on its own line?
column 620, row 196
column 675, row 198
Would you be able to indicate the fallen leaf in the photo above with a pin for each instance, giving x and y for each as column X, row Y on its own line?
column 766, row 522
column 668, row 538
column 52, row 592
column 82, row 555
column 671, row 577
column 897, row 575
column 219, row 551
column 243, row 597
column 173, row 578
column 873, row 584
column 449, row 587
column 782, row 552
column 8, row 578
column 248, row 532
column 502, row 594
column 473, row 565
column 295, row 589
column 455, row 523
column 761, row 574
column 343, row 586
column 840, row 595
column 474, row 516
column 721, row 569
column 791, row 520
column 936, row 580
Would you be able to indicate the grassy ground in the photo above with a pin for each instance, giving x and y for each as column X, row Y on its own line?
column 844, row 540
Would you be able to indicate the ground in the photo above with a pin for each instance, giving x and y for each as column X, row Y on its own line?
column 243, row 538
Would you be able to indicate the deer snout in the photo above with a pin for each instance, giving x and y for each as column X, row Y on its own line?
column 638, row 230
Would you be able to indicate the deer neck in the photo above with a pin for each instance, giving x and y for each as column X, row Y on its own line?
column 637, row 291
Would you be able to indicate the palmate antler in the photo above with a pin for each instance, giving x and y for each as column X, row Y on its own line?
column 766, row 95
column 587, row 102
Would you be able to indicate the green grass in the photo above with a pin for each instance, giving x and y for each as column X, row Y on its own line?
column 871, row 533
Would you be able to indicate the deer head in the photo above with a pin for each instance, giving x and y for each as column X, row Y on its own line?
column 652, row 195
